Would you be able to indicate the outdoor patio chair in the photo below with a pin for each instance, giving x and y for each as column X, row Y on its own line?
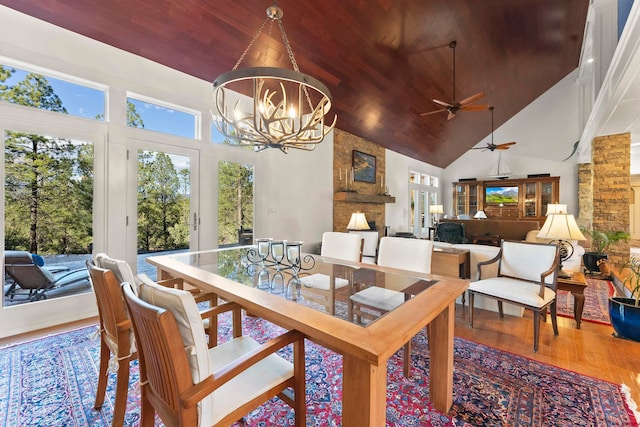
column 29, row 275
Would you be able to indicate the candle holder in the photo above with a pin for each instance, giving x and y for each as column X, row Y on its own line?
column 278, row 254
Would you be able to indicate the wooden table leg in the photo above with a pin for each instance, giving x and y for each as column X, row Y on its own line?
column 364, row 393
column 578, row 306
column 441, row 360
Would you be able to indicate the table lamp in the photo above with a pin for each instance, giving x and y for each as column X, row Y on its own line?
column 480, row 215
column 358, row 222
column 561, row 227
column 435, row 210
column 556, row 208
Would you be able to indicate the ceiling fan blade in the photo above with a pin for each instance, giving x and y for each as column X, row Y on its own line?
column 444, row 104
column 472, row 99
column 475, row 107
column 505, row 146
column 479, row 148
column 433, row 112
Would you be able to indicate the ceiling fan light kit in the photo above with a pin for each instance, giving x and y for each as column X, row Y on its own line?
column 467, row 104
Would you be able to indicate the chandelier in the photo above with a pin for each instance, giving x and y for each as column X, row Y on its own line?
column 288, row 107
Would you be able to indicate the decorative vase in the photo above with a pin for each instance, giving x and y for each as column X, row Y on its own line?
column 590, row 261
column 625, row 317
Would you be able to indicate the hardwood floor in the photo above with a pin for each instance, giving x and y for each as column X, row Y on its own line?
column 591, row 350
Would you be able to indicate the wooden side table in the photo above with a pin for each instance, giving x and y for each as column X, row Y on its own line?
column 576, row 285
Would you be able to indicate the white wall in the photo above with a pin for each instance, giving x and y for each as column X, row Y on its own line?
column 398, row 167
column 545, row 132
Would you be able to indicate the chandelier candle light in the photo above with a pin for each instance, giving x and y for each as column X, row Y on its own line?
column 288, row 107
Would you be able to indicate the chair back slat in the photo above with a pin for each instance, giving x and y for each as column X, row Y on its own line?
column 163, row 361
column 111, row 306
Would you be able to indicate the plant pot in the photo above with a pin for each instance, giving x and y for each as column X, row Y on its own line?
column 590, row 261
column 625, row 317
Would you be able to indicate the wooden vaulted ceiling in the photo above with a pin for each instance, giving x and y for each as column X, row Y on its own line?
column 383, row 60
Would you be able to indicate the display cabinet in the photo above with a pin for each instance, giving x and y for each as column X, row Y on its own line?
column 466, row 198
column 525, row 198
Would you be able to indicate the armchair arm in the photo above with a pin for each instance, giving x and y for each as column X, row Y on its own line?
column 486, row 263
column 212, row 313
column 176, row 283
column 552, row 270
column 199, row 391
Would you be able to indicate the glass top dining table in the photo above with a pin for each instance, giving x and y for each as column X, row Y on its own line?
column 313, row 298
column 321, row 283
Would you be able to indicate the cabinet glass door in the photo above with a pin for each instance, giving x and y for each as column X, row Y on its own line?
column 546, row 195
column 461, row 196
column 530, row 199
column 473, row 200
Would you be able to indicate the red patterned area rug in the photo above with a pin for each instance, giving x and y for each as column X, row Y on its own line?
column 51, row 382
column 596, row 301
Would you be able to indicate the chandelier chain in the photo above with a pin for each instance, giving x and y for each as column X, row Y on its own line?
column 287, row 45
column 253, row 40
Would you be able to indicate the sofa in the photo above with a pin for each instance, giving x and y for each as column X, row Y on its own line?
column 505, row 229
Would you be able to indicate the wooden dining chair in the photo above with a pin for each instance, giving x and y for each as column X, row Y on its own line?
column 394, row 252
column 324, row 287
column 122, row 270
column 116, row 339
column 207, row 387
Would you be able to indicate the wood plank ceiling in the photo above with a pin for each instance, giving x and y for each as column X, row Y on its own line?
column 384, row 61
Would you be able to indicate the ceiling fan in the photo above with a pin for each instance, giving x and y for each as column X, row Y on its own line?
column 491, row 146
column 466, row 104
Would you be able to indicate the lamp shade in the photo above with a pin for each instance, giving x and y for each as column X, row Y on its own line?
column 561, row 227
column 480, row 215
column 436, row 209
column 358, row 222
column 556, row 208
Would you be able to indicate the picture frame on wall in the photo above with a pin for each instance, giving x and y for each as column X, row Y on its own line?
column 364, row 167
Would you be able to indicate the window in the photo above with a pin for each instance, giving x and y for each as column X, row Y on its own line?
column 48, row 93
column 235, row 204
column 149, row 114
column 44, row 177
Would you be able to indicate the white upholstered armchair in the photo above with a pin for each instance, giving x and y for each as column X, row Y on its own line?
column 527, row 277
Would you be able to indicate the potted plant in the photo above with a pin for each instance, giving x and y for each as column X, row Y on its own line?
column 624, row 312
column 600, row 243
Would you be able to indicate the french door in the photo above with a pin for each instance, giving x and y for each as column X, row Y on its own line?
column 166, row 217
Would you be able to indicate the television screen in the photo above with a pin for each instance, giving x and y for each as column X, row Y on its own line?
column 497, row 195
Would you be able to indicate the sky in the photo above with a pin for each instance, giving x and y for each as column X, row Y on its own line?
column 86, row 102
